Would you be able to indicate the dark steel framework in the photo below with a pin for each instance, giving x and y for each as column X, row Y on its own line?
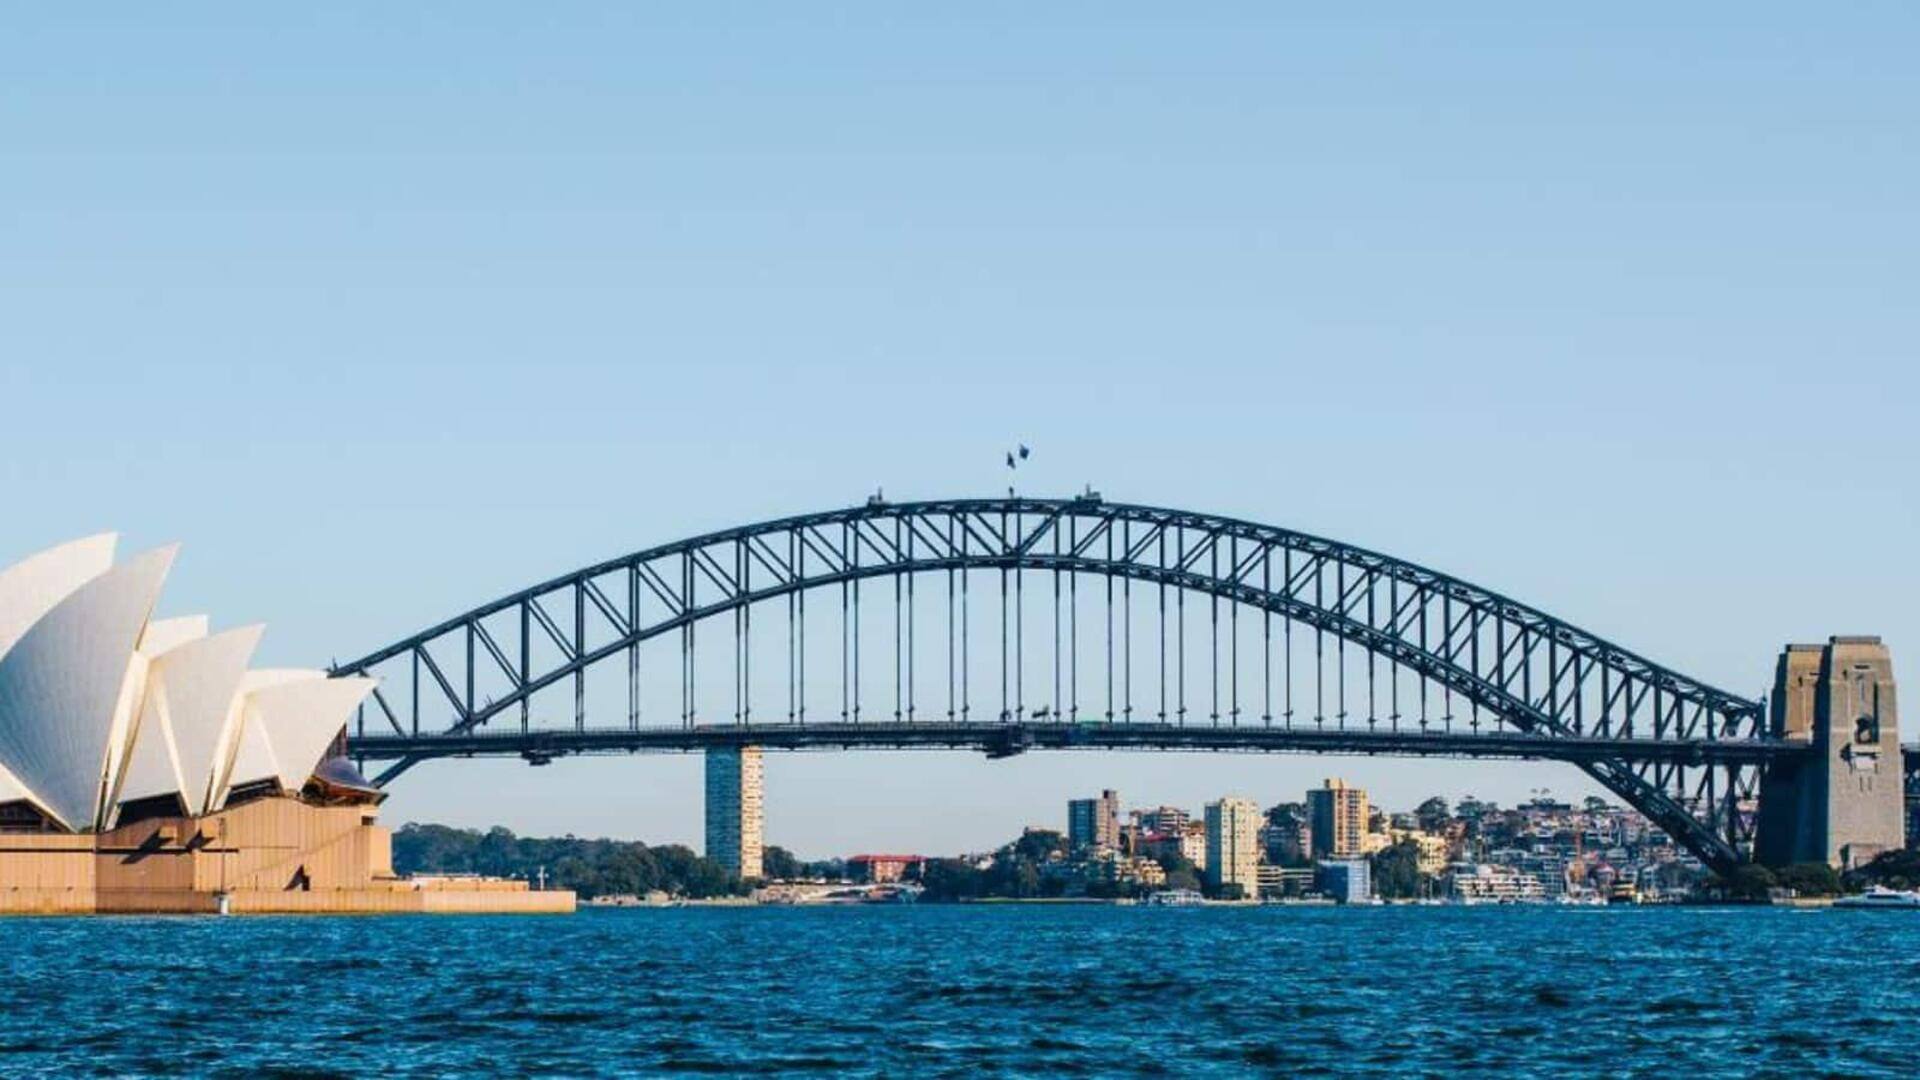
column 1403, row 660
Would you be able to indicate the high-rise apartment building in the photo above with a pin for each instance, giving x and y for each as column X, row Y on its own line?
column 1094, row 823
column 1233, row 846
column 1163, row 819
column 1337, row 818
column 1193, row 844
column 733, row 809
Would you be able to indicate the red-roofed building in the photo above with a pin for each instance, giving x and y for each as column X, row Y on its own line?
column 880, row 869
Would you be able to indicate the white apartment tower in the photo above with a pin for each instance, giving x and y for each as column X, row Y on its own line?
column 1233, row 845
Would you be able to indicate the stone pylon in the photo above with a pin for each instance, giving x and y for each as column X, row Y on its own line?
column 1843, row 803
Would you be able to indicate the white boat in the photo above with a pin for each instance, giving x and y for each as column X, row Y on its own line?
column 1880, row 897
column 1175, row 898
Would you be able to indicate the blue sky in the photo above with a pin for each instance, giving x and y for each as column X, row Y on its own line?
column 386, row 312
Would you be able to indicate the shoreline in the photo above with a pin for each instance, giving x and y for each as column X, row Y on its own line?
column 1796, row 903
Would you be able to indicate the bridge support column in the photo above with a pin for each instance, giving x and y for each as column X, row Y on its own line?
column 733, row 809
column 1841, row 804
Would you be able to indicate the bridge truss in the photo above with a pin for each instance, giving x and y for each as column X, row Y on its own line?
column 1017, row 623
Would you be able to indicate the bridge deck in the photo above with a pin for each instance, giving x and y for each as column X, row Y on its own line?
column 1001, row 738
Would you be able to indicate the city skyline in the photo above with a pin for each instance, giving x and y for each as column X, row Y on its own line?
column 1574, row 325
column 1332, row 845
column 959, row 540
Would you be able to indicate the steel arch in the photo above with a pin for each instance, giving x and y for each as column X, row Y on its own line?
column 1537, row 674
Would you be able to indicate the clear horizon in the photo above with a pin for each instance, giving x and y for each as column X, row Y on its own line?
column 1603, row 312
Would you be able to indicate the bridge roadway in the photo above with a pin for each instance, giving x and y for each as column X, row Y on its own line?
column 1002, row 739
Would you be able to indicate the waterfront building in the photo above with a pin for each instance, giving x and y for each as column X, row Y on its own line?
column 1348, row 881
column 1117, row 869
column 1549, row 870
column 882, row 869
column 1159, row 845
column 1233, row 846
column 1093, row 824
column 1486, row 883
column 1162, row 819
column 735, row 815
column 1189, row 843
column 1434, row 850
column 1665, row 876
column 1193, row 844
column 1338, row 814
column 1278, row 881
column 124, row 733
column 1601, row 878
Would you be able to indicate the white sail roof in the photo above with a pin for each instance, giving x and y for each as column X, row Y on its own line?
column 64, row 679
column 254, row 759
column 288, row 720
column 160, row 636
column 153, row 763
column 126, row 709
column 251, row 756
column 12, row 790
column 101, row 704
column 301, row 720
column 193, row 692
column 31, row 587
column 163, row 635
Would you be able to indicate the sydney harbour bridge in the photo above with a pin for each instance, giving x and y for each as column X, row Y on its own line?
column 1012, row 624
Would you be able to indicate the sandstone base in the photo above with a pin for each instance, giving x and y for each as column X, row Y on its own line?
column 275, row 855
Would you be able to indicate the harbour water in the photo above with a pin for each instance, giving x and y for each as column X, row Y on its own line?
column 969, row 991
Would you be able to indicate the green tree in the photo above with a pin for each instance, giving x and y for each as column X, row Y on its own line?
column 1396, row 871
column 497, row 853
column 1433, row 814
column 1286, row 814
column 779, row 864
column 588, row 867
column 1040, row 845
column 1015, row 876
column 1809, row 879
column 826, row 869
column 1750, row 882
column 1181, row 873
column 952, row 879
column 1112, row 890
column 1892, row 869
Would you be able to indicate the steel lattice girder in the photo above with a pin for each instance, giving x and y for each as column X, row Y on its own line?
column 1533, row 672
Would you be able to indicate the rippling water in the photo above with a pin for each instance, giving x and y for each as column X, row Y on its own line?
column 970, row 991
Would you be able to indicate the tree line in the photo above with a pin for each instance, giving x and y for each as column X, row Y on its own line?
column 588, row 867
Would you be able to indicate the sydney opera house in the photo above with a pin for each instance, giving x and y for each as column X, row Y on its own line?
column 146, row 767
